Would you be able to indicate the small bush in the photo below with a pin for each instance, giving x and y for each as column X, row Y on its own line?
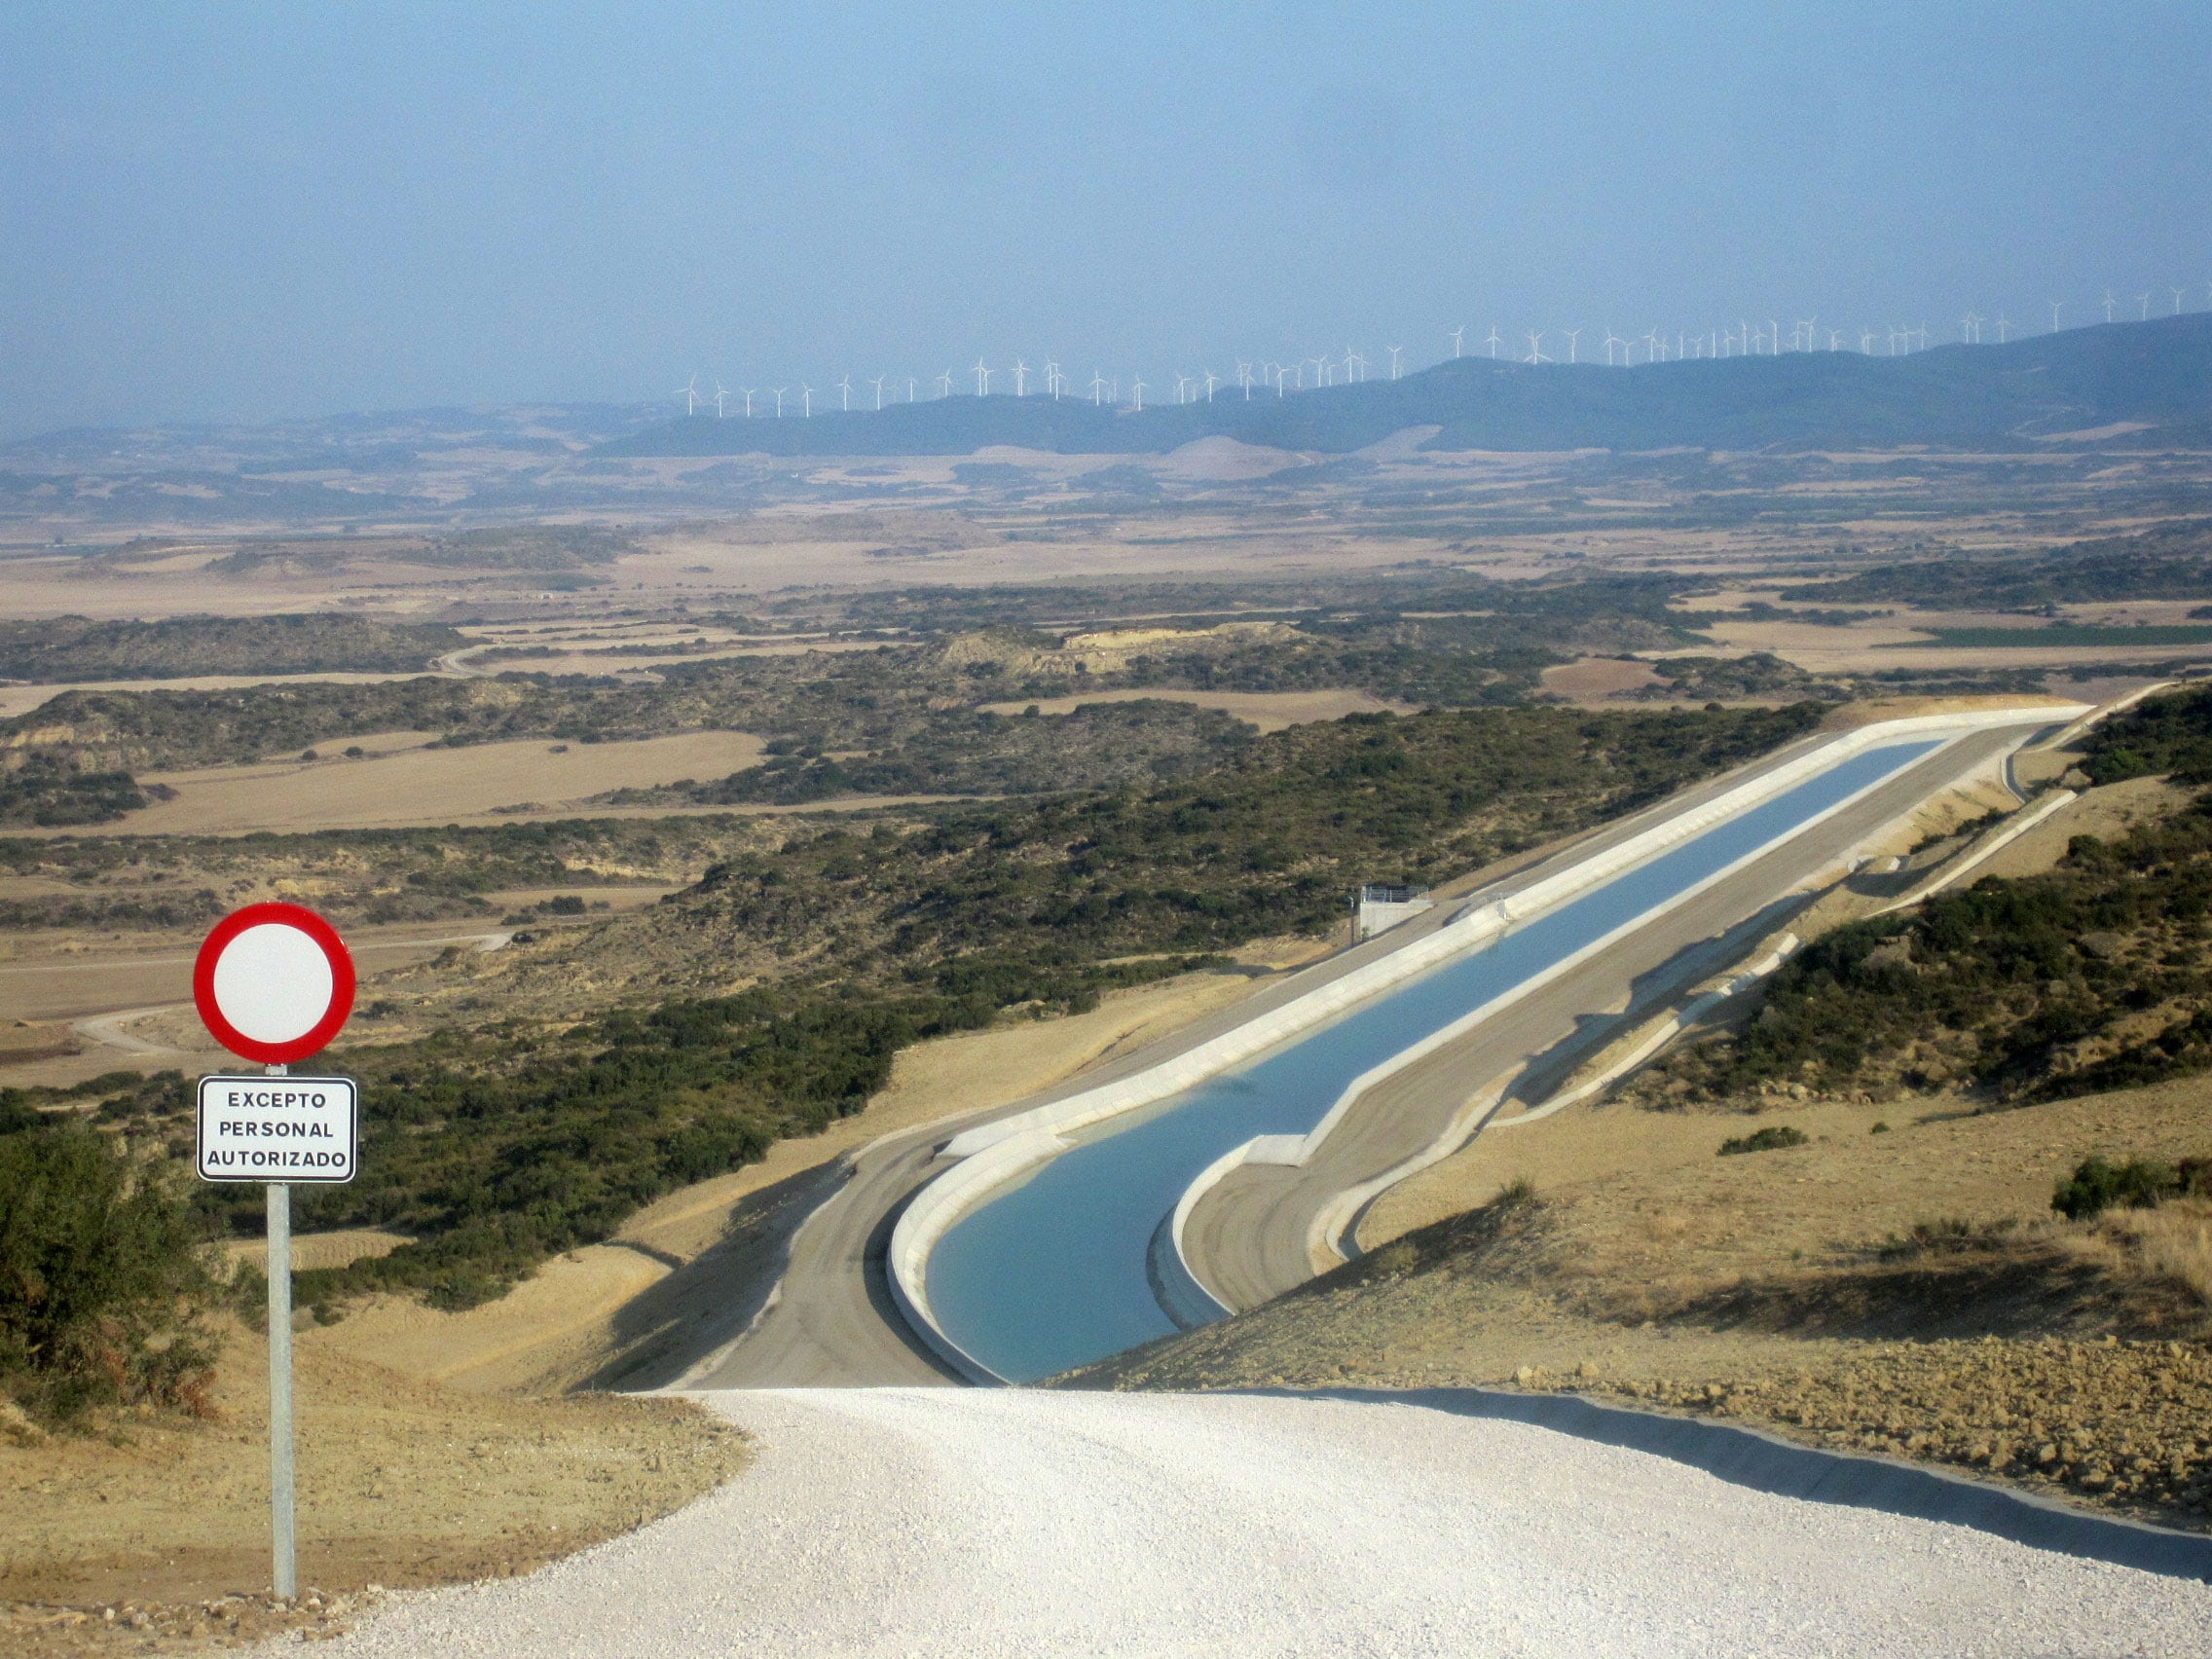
column 2098, row 1185
column 1945, row 1235
column 1771, row 1139
column 102, row 1278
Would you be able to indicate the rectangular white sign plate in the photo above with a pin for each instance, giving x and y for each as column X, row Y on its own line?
column 279, row 1128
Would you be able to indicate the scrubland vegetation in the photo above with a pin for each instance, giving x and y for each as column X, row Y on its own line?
column 2171, row 562
column 73, row 648
column 903, row 720
column 2094, row 977
column 499, row 1143
column 104, row 1285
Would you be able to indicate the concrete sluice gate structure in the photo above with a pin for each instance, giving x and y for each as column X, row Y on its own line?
column 1055, row 1240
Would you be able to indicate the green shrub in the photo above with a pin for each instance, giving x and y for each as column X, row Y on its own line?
column 1771, row 1139
column 2098, row 1185
column 103, row 1279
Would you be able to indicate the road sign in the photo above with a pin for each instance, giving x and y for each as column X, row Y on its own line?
column 274, row 982
column 279, row 1128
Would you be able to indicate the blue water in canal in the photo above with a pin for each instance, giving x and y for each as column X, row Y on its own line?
column 1052, row 1273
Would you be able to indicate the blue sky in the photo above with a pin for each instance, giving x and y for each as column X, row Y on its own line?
column 251, row 210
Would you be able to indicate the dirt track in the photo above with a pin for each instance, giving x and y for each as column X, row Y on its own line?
column 1002, row 1521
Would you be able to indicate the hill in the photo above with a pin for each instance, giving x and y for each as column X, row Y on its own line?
column 2155, row 373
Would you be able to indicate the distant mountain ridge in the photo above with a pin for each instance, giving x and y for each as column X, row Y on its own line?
column 2158, row 372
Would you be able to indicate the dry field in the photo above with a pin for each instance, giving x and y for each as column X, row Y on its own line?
column 57, row 975
column 1270, row 711
column 593, row 660
column 1593, row 679
column 402, row 784
column 1656, row 1207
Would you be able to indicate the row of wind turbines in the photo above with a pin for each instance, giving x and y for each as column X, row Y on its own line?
column 1280, row 378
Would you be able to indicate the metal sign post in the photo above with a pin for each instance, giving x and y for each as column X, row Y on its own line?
column 274, row 983
column 284, row 1566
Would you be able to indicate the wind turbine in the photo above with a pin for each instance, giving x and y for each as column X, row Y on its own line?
column 1097, row 386
column 2003, row 325
column 780, row 391
column 1866, row 342
column 1493, row 340
column 1536, row 349
column 2054, row 305
column 806, row 400
column 1139, row 385
column 877, row 383
column 1053, row 378
column 2145, row 300
column 1834, row 336
column 983, row 378
column 2176, row 292
column 721, row 392
column 2109, row 304
column 1652, row 346
column 1394, row 352
column 1612, row 339
column 1244, row 379
column 1456, row 333
column 689, row 392
column 749, row 403
column 1181, row 381
column 845, row 386
column 1020, row 377
column 909, row 389
column 1212, row 380
column 944, row 383
column 1967, row 323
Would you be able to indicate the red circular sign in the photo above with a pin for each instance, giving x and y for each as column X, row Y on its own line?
column 274, row 982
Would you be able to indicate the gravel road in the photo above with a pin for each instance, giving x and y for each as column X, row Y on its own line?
column 893, row 1523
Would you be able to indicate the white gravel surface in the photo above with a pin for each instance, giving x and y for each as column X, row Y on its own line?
column 986, row 1523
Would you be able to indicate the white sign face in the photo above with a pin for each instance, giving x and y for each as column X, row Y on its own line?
column 273, row 982
column 279, row 1128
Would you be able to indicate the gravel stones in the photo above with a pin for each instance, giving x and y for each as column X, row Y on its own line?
column 2127, row 1426
column 994, row 1523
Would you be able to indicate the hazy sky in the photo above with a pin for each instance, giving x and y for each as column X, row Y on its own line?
column 251, row 210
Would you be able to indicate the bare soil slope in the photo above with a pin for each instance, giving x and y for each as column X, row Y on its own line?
column 401, row 1483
